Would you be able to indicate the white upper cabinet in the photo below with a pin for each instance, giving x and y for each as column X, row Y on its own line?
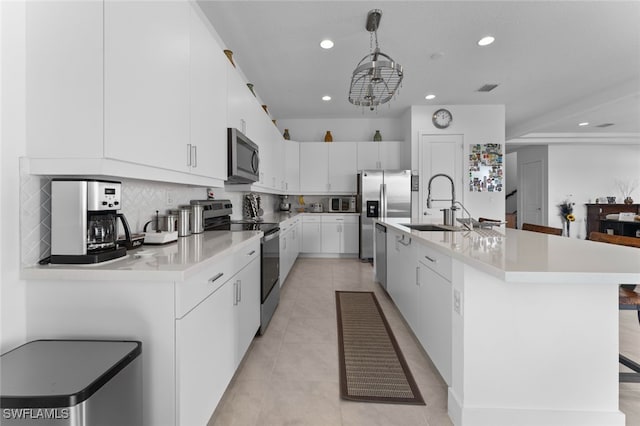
column 328, row 168
column 130, row 89
column 314, row 172
column 239, row 102
column 381, row 155
column 342, row 168
column 292, row 167
column 208, row 93
column 147, row 83
column 64, row 81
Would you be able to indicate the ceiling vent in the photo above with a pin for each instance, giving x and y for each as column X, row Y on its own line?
column 605, row 125
column 487, row 87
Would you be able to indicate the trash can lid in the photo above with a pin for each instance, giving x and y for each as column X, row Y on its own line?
column 61, row 373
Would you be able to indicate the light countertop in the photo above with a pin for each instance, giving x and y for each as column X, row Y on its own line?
column 171, row 262
column 280, row 217
column 524, row 256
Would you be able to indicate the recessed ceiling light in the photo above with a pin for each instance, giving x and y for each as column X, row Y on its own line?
column 485, row 41
column 430, row 96
column 326, row 44
column 584, row 123
column 326, row 98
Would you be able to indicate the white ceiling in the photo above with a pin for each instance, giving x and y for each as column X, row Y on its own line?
column 557, row 63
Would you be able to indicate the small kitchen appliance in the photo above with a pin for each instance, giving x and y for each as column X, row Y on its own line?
column 316, row 208
column 285, row 206
column 342, row 204
column 243, row 161
column 84, row 214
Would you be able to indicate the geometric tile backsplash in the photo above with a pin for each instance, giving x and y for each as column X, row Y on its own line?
column 140, row 200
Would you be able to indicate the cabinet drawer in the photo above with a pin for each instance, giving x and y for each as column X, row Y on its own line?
column 242, row 257
column 339, row 218
column 433, row 259
column 311, row 219
column 191, row 292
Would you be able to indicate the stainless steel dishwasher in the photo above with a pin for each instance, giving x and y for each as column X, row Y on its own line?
column 381, row 255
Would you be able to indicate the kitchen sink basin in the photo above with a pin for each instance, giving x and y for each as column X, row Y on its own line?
column 432, row 227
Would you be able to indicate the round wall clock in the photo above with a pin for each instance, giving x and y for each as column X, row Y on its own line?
column 442, row 118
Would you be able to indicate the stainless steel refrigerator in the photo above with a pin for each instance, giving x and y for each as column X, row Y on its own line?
column 381, row 193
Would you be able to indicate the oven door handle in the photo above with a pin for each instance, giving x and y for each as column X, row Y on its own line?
column 271, row 236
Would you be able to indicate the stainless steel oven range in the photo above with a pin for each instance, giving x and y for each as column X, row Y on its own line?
column 216, row 218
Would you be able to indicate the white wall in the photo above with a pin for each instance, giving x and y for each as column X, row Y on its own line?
column 12, row 146
column 511, row 181
column 583, row 172
column 478, row 124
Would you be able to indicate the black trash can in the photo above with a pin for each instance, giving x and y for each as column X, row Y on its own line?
column 72, row 383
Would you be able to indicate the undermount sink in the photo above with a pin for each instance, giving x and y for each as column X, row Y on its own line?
column 432, row 227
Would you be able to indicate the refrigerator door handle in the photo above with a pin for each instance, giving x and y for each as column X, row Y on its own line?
column 383, row 200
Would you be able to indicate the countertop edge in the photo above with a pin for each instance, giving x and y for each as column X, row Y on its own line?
column 177, row 272
column 533, row 275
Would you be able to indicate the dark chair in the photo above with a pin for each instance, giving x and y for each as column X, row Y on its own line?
column 541, row 228
column 628, row 298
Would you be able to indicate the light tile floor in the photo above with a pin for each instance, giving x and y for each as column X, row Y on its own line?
column 290, row 375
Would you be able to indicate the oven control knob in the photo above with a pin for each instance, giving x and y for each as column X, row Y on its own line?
column 115, row 203
column 110, row 205
column 104, row 203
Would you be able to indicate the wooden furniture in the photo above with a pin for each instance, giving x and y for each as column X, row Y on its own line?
column 628, row 299
column 541, row 228
column 512, row 220
column 596, row 213
column 615, row 239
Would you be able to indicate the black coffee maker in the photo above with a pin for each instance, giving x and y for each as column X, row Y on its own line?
column 84, row 215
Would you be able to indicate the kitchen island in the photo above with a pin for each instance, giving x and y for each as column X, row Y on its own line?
column 522, row 326
column 194, row 304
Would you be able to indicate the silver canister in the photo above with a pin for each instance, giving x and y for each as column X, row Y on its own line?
column 184, row 214
column 170, row 222
column 197, row 222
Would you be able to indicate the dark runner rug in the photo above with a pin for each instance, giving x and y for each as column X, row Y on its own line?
column 372, row 368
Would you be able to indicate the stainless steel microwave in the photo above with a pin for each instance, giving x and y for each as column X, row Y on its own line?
column 342, row 204
column 243, row 161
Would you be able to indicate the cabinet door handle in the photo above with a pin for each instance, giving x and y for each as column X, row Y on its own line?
column 431, row 259
column 418, row 276
column 235, row 293
column 406, row 244
column 239, row 291
column 194, row 154
column 211, row 280
column 251, row 253
column 188, row 154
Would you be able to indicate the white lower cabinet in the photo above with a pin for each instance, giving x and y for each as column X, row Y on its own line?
column 203, row 370
column 435, row 301
column 339, row 234
column 194, row 333
column 402, row 279
column 311, row 234
column 289, row 246
column 419, row 282
column 246, row 308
